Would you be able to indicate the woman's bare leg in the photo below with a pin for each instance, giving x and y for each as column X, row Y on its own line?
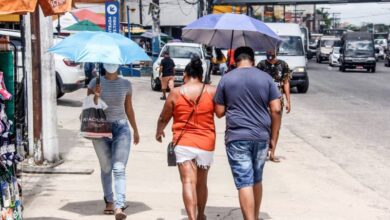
column 202, row 192
column 188, row 175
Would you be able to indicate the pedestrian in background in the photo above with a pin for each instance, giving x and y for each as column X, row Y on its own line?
column 251, row 102
column 221, row 60
column 192, row 109
column 280, row 72
column 167, row 74
column 113, row 153
column 230, row 61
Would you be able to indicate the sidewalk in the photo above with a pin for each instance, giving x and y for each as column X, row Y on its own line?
column 305, row 185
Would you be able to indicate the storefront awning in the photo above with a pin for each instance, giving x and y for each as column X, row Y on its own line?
column 49, row 7
column 10, row 18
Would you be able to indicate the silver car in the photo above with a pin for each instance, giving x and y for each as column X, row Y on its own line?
column 334, row 57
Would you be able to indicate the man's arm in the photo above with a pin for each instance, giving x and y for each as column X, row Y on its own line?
column 276, row 118
column 165, row 115
column 286, row 89
column 219, row 110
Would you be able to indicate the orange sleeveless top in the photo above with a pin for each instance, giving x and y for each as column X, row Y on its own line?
column 200, row 130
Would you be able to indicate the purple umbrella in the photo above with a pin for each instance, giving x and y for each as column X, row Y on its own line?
column 230, row 31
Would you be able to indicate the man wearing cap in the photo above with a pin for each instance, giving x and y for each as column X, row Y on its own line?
column 167, row 74
column 251, row 102
column 280, row 72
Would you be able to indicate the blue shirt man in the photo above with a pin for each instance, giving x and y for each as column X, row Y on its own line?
column 251, row 102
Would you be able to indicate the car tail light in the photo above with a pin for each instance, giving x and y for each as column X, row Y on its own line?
column 70, row 63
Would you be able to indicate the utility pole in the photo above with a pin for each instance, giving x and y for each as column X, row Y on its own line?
column 123, row 10
column 29, row 80
column 48, row 93
column 140, row 12
column 43, row 90
column 154, row 10
column 334, row 19
column 36, row 85
column 314, row 17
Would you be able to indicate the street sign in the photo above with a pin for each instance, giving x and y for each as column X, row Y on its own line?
column 112, row 16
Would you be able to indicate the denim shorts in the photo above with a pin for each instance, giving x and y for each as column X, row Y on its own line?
column 247, row 159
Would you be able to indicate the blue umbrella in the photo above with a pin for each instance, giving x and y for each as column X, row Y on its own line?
column 230, row 31
column 100, row 47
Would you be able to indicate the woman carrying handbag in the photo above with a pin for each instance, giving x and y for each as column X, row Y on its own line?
column 113, row 153
column 192, row 109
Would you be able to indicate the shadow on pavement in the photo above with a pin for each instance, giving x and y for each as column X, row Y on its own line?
column 45, row 218
column 69, row 103
column 96, row 207
column 228, row 213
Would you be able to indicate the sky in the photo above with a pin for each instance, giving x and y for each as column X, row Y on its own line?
column 363, row 12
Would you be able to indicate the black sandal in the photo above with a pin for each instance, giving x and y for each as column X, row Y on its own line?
column 108, row 211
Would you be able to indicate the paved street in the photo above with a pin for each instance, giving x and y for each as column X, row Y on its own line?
column 346, row 117
column 333, row 146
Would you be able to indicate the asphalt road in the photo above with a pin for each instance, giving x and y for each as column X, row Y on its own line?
column 346, row 117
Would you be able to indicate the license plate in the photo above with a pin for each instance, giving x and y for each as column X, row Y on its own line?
column 359, row 67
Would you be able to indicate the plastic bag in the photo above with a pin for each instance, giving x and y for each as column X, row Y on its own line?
column 94, row 123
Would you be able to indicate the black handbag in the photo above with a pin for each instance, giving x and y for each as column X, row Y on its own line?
column 171, row 155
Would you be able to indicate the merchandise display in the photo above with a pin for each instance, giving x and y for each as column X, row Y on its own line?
column 10, row 196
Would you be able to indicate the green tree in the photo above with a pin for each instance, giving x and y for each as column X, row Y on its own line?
column 325, row 17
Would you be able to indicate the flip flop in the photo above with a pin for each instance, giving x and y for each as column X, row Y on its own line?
column 108, row 211
column 121, row 215
column 274, row 159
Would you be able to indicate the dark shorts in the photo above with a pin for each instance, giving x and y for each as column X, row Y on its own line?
column 247, row 159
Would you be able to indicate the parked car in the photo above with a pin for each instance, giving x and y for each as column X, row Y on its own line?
column 325, row 46
column 357, row 51
column 334, row 57
column 69, row 75
column 181, row 54
column 291, row 51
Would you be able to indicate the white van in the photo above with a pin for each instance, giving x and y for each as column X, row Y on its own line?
column 291, row 51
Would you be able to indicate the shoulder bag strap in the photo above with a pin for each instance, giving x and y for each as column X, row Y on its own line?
column 189, row 118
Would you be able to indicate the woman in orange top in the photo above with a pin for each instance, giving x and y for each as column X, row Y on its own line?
column 195, row 149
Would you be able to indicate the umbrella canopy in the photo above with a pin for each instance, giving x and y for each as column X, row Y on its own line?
column 66, row 20
column 85, row 14
column 100, row 47
column 230, row 31
column 84, row 26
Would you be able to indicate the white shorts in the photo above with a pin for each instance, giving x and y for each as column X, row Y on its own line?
column 203, row 158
